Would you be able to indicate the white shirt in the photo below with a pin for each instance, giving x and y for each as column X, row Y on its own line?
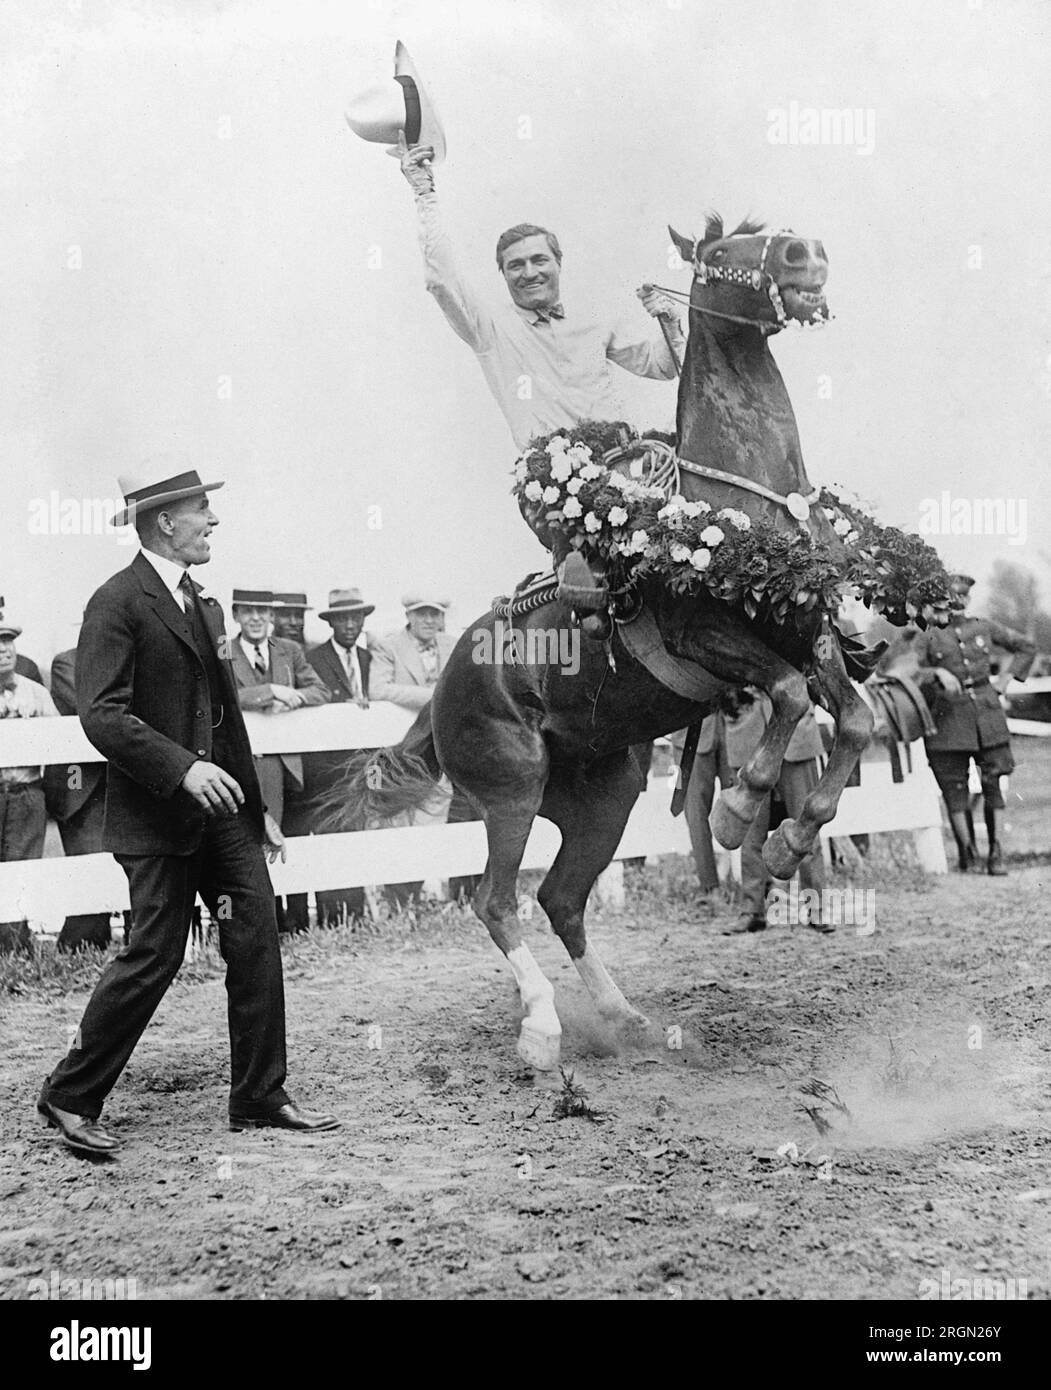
column 170, row 574
column 351, row 663
column 248, row 647
column 26, row 700
column 560, row 366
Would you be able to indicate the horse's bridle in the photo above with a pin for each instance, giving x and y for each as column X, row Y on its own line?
column 756, row 278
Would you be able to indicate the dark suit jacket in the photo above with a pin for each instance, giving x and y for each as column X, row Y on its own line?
column 288, row 666
column 64, row 801
column 321, row 771
column 143, row 699
column 332, row 671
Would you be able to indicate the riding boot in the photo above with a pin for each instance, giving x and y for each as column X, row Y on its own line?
column 994, row 823
column 965, row 847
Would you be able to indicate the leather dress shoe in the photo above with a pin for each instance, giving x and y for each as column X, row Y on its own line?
column 747, row 922
column 79, row 1133
column 996, row 865
column 968, row 858
column 287, row 1117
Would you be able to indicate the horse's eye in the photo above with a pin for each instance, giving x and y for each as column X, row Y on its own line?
column 717, row 254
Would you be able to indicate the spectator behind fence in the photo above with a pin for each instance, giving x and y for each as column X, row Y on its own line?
column 24, row 665
column 23, row 817
column 273, row 676
column 290, row 610
column 345, row 668
column 76, row 799
column 406, row 665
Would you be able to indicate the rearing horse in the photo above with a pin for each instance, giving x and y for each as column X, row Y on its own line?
column 527, row 737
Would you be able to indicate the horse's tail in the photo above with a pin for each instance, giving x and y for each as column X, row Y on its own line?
column 379, row 785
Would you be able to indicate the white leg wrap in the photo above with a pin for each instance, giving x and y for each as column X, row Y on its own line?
column 540, row 1037
column 609, row 1001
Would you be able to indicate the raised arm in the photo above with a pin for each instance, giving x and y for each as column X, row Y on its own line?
column 466, row 313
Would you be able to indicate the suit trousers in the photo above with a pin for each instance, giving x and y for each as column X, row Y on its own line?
column 700, row 793
column 229, row 871
column 23, row 821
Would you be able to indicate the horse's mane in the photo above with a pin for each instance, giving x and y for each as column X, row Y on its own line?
column 713, row 229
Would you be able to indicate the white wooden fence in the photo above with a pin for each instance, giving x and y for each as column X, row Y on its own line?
column 44, row 891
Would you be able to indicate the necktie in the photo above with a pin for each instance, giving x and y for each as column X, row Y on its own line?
column 546, row 315
column 260, row 660
column 348, row 662
column 186, row 588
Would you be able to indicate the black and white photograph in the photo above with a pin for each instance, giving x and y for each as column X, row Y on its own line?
column 525, row 663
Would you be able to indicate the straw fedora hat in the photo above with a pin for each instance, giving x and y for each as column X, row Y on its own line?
column 402, row 106
column 158, row 482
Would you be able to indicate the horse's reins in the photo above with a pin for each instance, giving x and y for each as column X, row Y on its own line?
column 755, row 278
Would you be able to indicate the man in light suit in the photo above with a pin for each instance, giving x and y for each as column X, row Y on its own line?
column 406, row 664
column 345, row 668
column 273, row 675
column 184, row 814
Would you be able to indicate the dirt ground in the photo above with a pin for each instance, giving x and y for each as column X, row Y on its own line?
column 454, row 1177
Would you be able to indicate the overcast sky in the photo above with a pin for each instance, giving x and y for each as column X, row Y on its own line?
column 191, row 232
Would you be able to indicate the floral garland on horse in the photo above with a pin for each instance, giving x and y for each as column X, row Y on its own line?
column 564, row 481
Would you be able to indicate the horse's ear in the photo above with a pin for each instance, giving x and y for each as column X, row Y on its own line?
column 683, row 245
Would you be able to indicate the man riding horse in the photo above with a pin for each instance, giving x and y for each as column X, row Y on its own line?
column 548, row 368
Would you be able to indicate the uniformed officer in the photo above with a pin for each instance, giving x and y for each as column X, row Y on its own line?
column 953, row 671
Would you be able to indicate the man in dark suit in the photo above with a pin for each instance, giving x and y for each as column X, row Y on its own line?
column 273, row 676
column 184, row 815
column 344, row 668
column 76, row 799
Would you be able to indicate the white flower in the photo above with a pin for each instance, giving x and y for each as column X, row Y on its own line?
column 534, row 491
column 713, row 536
column 551, row 495
column 592, row 523
column 617, row 516
column 842, row 526
column 680, row 552
column 557, row 445
column 573, row 486
column 571, row 508
column 741, row 520
column 852, row 537
column 672, row 513
column 521, row 469
column 561, row 468
column 579, row 455
column 639, row 541
column 590, row 471
column 701, row 559
column 616, row 481
column 695, row 509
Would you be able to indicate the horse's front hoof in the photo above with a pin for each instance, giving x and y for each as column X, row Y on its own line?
column 537, row 1049
column 731, row 817
column 785, row 849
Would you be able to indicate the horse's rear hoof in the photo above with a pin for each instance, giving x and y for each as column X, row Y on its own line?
column 780, row 855
column 541, row 1051
column 731, row 817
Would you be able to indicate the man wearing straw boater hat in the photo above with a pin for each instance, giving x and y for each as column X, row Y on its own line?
column 184, row 815
column 561, row 354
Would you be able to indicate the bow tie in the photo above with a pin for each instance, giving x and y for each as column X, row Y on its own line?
column 546, row 315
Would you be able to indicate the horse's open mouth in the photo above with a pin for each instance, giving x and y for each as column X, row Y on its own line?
column 804, row 304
